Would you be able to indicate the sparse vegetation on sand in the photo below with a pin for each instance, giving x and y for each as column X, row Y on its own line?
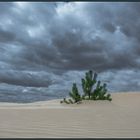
column 98, row 93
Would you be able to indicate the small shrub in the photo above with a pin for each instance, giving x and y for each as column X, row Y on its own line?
column 99, row 93
column 74, row 94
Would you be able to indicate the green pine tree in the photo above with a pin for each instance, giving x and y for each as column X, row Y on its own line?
column 88, row 83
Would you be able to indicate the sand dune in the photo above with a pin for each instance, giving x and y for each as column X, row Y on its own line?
column 91, row 119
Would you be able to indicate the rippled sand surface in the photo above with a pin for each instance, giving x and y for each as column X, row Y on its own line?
column 91, row 119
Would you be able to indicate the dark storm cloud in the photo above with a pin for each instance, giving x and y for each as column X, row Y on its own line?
column 110, row 27
column 6, row 36
column 100, row 30
column 60, row 38
column 25, row 78
column 67, row 37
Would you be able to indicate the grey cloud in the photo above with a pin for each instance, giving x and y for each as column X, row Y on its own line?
column 22, row 94
column 5, row 7
column 123, row 80
column 62, row 38
column 26, row 78
column 67, row 43
column 110, row 27
column 6, row 36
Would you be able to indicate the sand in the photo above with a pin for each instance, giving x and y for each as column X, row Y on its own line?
column 91, row 119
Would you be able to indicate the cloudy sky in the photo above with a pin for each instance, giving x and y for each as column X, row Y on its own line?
column 45, row 47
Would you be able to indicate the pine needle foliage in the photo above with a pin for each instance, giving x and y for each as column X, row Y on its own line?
column 88, row 82
column 74, row 94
